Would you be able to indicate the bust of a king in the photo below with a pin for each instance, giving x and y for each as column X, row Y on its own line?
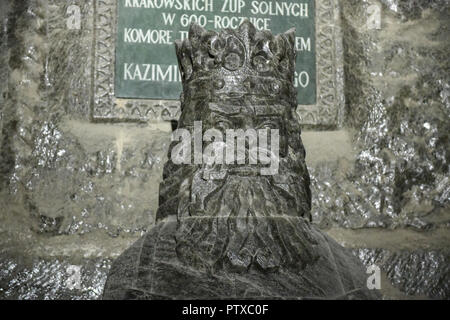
column 234, row 213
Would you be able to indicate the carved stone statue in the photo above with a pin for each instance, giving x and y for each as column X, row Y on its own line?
column 236, row 229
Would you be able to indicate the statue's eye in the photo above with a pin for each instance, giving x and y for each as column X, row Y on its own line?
column 269, row 124
column 223, row 124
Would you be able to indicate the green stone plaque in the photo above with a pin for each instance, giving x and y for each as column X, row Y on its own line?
column 146, row 66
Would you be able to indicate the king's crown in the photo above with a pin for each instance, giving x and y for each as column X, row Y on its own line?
column 240, row 58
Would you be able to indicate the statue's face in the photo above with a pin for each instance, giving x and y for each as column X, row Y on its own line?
column 243, row 121
column 239, row 81
column 225, row 117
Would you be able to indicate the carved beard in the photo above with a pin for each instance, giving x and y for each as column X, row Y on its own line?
column 240, row 222
column 244, row 222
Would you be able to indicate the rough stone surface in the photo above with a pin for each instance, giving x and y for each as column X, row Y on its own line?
column 151, row 268
column 396, row 89
column 48, row 279
column 62, row 176
column 70, row 175
column 419, row 272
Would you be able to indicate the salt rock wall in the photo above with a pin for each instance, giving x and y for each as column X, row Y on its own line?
column 398, row 114
column 74, row 194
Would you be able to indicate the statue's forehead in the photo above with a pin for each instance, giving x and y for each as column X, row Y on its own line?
column 258, row 110
column 239, row 85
